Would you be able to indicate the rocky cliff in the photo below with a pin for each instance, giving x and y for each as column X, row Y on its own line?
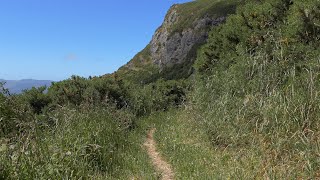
column 168, row 48
column 185, row 28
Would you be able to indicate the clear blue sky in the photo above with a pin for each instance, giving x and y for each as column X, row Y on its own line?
column 54, row 39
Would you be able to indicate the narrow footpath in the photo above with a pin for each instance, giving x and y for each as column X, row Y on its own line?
column 159, row 163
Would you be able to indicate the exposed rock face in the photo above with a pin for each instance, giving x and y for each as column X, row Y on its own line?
column 170, row 48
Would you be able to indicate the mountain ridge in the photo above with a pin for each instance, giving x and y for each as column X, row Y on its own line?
column 17, row 86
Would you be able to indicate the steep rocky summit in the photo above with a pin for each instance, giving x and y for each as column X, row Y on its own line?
column 184, row 29
column 168, row 48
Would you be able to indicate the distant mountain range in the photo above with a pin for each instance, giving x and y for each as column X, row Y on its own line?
column 17, row 86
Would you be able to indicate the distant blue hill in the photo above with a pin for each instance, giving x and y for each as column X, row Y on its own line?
column 17, row 86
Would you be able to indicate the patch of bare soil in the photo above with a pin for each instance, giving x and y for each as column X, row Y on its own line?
column 159, row 163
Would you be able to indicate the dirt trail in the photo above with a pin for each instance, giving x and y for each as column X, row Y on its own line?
column 161, row 165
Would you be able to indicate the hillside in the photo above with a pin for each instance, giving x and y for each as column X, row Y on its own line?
column 17, row 86
column 172, row 50
column 250, row 110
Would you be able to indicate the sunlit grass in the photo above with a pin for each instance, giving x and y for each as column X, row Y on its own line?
column 188, row 146
column 89, row 145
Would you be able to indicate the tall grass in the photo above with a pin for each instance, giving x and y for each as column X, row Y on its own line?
column 267, row 108
column 256, row 120
column 95, row 144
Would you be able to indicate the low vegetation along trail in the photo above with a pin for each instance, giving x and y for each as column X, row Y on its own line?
column 161, row 165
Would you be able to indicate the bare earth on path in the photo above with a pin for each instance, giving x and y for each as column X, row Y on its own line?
column 161, row 165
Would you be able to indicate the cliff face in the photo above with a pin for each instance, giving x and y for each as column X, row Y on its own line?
column 173, row 47
column 169, row 48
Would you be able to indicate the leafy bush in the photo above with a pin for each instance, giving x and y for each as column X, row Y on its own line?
column 6, row 113
column 78, row 91
column 37, row 98
column 158, row 96
column 15, row 114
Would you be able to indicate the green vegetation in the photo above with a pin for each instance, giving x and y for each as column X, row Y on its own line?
column 78, row 144
column 191, row 11
column 187, row 147
column 81, row 128
column 249, row 111
column 259, row 87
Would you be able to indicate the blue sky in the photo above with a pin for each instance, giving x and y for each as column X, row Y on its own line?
column 54, row 39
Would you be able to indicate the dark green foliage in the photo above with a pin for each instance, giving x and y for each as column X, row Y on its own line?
column 78, row 91
column 303, row 22
column 6, row 113
column 15, row 114
column 251, row 29
column 37, row 99
column 139, row 98
column 139, row 75
column 69, row 91
column 158, row 96
column 176, row 72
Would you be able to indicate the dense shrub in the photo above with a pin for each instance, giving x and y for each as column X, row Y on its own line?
column 36, row 98
column 15, row 114
column 158, row 96
column 6, row 113
column 78, row 91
